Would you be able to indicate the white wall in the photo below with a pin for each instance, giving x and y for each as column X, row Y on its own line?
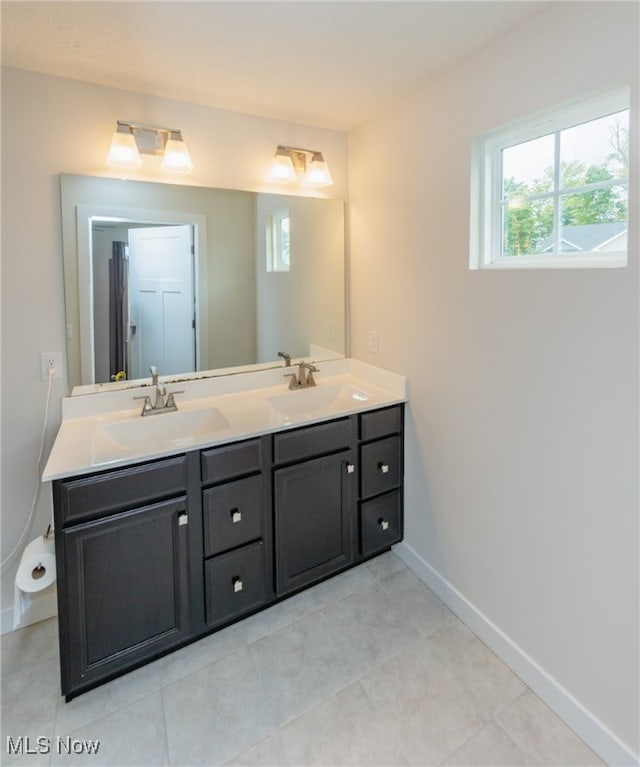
column 522, row 446
column 52, row 125
column 303, row 307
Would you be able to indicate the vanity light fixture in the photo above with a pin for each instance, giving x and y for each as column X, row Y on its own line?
column 292, row 163
column 133, row 139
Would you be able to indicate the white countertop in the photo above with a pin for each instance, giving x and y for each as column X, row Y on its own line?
column 106, row 430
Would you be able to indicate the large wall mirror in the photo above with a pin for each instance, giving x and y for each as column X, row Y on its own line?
column 195, row 280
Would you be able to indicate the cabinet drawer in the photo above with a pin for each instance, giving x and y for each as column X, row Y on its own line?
column 313, row 440
column 380, row 466
column 380, row 423
column 381, row 522
column 228, row 461
column 232, row 514
column 94, row 496
column 235, row 583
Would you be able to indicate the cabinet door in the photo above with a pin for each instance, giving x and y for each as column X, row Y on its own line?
column 314, row 520
column 126, row 590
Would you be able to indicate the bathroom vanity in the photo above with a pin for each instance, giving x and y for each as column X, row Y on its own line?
column 157, row 546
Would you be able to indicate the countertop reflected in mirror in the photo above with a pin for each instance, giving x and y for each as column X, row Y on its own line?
column 265, row 273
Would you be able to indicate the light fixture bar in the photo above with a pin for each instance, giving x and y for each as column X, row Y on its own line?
column 291, row 163
column 133, row 139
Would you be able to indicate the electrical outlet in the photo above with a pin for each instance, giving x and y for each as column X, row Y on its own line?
column 373, row 341
column 50, row 360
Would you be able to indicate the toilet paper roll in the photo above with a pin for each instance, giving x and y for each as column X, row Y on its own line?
column 36, row 572
column 37, row 568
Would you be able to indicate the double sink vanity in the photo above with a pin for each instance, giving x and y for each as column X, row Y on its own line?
column 173, row 526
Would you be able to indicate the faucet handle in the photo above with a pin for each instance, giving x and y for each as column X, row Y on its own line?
column 171, row 403
column 294, row 383
column 147, row 407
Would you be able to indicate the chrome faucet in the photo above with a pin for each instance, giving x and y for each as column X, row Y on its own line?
column 305, row 378
column 159, row 404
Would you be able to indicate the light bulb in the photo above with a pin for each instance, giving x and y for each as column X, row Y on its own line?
column 282, row 169
column 176, row 155
column 318, row 173
column 124, row 150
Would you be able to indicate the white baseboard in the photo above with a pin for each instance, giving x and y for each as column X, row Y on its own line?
column 590, row 729
column 43, row 606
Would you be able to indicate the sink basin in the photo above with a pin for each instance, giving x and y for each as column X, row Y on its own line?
column 318, row 400
column 179, row 429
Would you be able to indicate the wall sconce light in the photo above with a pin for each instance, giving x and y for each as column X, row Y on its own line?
column 132, row 139
column 292, row 163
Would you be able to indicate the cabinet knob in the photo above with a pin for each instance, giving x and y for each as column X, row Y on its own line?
column 236, row 516
column 183, row 518
column 237, row 584
column 384, row 524
column 351, row 468
column 384, row 467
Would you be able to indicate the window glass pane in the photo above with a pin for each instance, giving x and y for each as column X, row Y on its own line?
column 528, row 168
column 284, row 242
column 595, row 151
column 527, row 227
column 594, row 221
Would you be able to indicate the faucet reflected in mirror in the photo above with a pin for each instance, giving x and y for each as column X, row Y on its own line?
column 242, row 297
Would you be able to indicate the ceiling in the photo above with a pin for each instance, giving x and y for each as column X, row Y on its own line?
column 324, row 63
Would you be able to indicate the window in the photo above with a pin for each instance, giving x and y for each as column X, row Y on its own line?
column 552, row 191
column 278, row 241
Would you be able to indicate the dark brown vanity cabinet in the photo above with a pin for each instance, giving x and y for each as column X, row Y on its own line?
column 238, row 558
column 123, row 569
column 381, row 477
column 154, row 555
column 313, row 502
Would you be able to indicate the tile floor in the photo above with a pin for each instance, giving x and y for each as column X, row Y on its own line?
column 368, row 668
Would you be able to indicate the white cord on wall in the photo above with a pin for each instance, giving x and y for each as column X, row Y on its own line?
column 36, row 494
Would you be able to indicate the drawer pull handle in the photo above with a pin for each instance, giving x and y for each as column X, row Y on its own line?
column 236, row 516
column 351, row 468
column 384, row 467
column 384, row 524
column 237, row 584
column 183, row 518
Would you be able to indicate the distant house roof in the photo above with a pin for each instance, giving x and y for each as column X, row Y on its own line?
column 586, row 237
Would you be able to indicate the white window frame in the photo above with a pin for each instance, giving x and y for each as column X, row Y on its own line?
column 273, row 232
column 486, row 187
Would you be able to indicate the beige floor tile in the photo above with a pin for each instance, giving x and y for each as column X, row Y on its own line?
column 217, row 712
column 490, row 681
column 30, row 696
column 132, row 736
column 107, row 698
column 29, row 645
column 422, row 699
column 542, row 736
column 306, row 603
column 420, row 605
column 344, row 730
column 195, row 656
column 490, row 747
column 384, row 565
column 368, row 627
column 300, row 666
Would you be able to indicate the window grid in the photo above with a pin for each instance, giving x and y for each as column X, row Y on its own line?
column 490, row 202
